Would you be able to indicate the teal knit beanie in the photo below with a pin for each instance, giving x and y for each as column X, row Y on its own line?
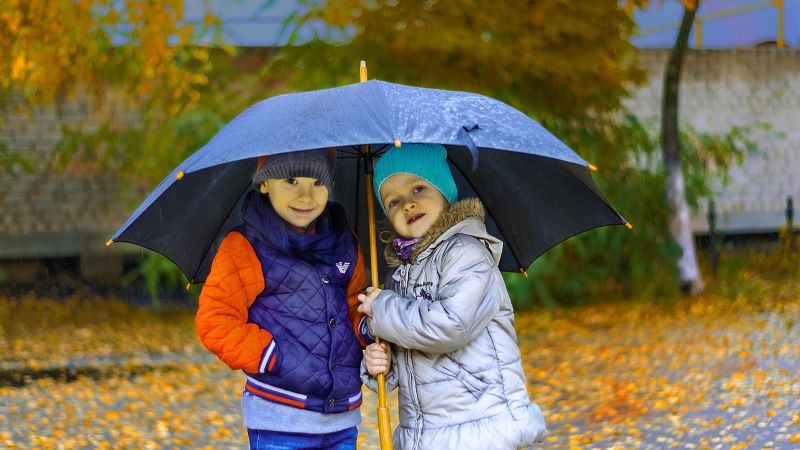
column 427, row 161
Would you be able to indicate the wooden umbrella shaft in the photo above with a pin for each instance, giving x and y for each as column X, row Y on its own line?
column 384, row 428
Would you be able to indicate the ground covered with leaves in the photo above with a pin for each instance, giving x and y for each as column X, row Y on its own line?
column 717, row 371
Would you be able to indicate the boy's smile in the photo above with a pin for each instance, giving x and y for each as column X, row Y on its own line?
column 298, row 201
column 412, row 204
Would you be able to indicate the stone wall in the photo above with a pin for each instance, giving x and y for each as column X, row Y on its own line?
column 56, row 212
column 721, row 89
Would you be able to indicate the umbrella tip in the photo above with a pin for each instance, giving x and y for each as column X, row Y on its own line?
column 362, row 71
column 628, row 225
column 523, row 272
column 189, row 285
column 397, row 143
column 179, row 176
column 109, row 242
column 592, row 168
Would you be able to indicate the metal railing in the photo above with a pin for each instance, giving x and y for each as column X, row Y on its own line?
column 723, row 14
column 787, row 235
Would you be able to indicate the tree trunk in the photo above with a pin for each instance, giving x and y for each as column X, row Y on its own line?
column 679, row 225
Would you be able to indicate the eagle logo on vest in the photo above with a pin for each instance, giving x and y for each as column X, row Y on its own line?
column 342, row 266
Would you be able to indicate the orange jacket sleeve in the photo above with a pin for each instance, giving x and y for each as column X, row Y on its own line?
column 233, row 283
column 356, row 286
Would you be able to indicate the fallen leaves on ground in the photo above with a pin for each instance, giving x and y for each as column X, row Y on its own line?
column 711, row 372
column 39, row 333
column 705, row 373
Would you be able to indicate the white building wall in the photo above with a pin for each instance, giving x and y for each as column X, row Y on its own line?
column 721, row 89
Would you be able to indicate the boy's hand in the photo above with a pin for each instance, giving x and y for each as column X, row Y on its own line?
column 367, row 300
column 378, row 358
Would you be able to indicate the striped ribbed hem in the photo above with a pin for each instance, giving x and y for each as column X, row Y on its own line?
column 275, row 394
column 354, row 402
column 289, row 398
column 267, row 415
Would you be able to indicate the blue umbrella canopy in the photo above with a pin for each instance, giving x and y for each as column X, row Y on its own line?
column 537, row 191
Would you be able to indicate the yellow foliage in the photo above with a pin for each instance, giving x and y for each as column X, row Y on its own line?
column 50, row 48
column 547, row 58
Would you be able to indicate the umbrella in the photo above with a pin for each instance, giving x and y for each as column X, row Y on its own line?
column 537, row 192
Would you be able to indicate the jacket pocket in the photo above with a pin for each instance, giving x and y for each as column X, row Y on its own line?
column 270, row 359
column 450, row 367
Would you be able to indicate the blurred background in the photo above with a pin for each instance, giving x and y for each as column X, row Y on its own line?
column 679, row 330
column 101, row 101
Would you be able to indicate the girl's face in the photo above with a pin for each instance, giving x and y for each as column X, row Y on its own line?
column 298, row 201
column 412, row 204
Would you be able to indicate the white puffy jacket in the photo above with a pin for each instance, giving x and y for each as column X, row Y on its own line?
column 455, row 354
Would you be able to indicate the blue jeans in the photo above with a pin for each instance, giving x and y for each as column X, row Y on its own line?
column 278, row 440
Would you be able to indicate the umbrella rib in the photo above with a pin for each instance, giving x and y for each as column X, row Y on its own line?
column 489, row 211
column 351, row 150
column 381, row 150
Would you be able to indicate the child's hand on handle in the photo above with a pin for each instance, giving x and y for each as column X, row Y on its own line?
column 367, row 300
column 378, row 358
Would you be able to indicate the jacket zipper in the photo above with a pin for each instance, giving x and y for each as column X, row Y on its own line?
column 412, row 389
column 410, row 368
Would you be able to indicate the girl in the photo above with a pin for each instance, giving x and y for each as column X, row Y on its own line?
column 448, row 314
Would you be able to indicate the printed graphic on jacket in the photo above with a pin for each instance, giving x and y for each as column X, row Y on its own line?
column 421, row 290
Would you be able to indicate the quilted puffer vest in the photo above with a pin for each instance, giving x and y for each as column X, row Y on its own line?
column 304, row 306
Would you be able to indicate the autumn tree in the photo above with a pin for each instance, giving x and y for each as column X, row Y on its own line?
column 50, row 50
column 137, row 57
column 679, row 218
column 551, row 58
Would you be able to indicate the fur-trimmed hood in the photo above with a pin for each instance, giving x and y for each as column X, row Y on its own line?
column 466, row 217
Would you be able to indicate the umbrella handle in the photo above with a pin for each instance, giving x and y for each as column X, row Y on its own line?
column 384, row 424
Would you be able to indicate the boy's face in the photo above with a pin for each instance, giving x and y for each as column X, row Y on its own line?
column 412, row 204
column 298, row 201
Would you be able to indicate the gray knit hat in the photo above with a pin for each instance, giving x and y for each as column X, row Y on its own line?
column 317, row 164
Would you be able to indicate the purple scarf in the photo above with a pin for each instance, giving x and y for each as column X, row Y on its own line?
column 404, row 247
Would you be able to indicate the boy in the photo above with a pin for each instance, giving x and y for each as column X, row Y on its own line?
column 448, row 314
column 280, row 304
